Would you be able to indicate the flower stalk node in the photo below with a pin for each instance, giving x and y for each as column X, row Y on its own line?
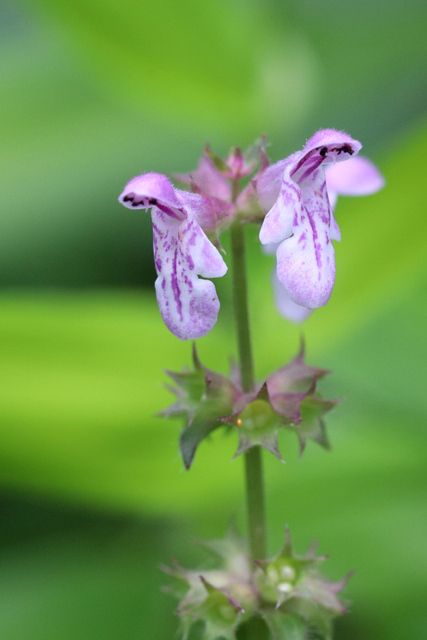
column 287, row 399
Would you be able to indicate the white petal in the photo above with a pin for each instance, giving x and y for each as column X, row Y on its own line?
column 334, row 230
column 306, row 261
column 189, row 305
column 279, row 221
column 285, row 305
column 306, row 267
column 201, row 254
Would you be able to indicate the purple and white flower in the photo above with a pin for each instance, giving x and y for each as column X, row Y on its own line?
column 300, row 223
column 182, row 252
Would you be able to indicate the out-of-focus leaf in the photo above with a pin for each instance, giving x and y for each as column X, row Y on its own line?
column 374, row 86
column 81, row 380
column 220, row 63
column 99, row 581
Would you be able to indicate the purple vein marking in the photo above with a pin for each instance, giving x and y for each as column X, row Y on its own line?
column 169, row 212
column 303, row 161
column 310, row 170
column 317, row 251
column 175, row 287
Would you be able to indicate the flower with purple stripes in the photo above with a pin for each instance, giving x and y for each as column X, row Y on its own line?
column 300, row 221
column 188, row 304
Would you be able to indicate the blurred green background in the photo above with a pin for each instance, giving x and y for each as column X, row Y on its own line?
column 93, row 495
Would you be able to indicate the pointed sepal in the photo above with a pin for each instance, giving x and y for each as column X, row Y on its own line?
column 232, row 553
column 277, row 579
column 312, row 425
column 220, row 614
column 288, row 386
column 248, row 204
column 189, row 389
column 255, row 155
column 292, row 392
column 204, row 398
column 220, row 164
column 222, row 598
column 294, row 585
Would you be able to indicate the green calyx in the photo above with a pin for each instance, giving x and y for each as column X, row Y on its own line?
column 221, row 598
column 288, row 399
column 288, row 592
column 204, row 399
column 297, row 601
column 258, row 425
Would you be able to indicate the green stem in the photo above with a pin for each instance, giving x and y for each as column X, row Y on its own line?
column 253, row 461
column 240, row 297
column 255, row 502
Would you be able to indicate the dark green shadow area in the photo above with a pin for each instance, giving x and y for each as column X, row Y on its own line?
column 71, row 573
